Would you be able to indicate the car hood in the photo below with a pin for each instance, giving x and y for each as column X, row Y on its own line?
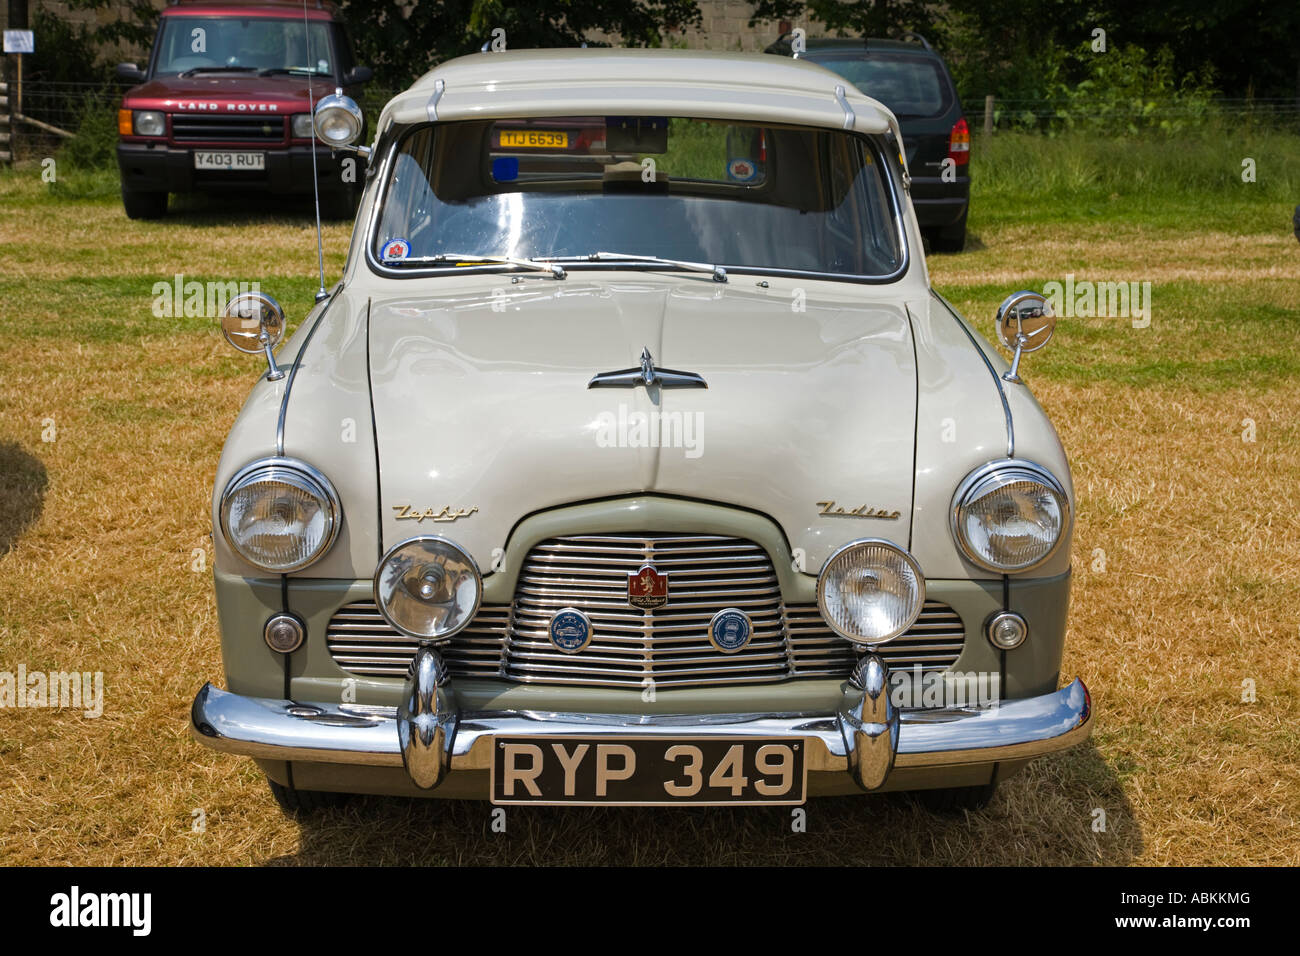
column 226, row 93
column 483, row 413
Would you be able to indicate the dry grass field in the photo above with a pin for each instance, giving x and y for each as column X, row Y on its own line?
column 1185, row 554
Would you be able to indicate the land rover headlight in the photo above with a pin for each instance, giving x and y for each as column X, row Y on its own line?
column 149, row 123
column 428, row 587
column 870, row 591
column 301, row 125
column 1010, row 515
column 280, row 514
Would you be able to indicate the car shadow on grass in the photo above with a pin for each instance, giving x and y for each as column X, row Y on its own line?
column 1049, row 814
column 242, row 209
column 23, row 481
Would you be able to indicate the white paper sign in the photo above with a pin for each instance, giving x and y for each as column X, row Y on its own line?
column 20, row 41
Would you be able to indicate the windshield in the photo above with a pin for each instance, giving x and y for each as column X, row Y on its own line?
column 911, row 86
column 250, row 44
column 739, row 195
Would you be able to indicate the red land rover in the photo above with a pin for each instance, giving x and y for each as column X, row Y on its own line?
column 225, row 105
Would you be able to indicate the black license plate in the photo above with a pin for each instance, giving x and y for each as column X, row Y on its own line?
column 648, row 771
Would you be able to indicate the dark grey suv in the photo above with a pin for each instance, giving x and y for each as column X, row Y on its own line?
column 911, row 79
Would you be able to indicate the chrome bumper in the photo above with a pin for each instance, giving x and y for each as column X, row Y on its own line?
column 866, row 738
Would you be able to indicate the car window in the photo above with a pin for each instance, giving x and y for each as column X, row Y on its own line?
column 911, row 86
column 767, row 197
column 257, row 43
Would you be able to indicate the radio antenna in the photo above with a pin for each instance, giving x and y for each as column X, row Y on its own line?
column 315, row 178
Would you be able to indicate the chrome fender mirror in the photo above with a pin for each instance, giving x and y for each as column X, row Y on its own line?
column 253, row 322
column 1025, row 323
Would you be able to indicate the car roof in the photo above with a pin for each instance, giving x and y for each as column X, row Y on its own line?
column 849, row 44
column 253, row 8
column 605, row 81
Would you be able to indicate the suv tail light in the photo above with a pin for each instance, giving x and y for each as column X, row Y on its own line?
column 959, row 143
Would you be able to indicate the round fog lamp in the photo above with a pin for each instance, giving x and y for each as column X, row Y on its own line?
column 1007, row 630
column 284, row 633
column 428, row 587
column 870, row 591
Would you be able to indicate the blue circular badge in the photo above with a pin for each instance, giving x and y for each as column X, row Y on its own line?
column 730, row 630
column 742, row 170
column 395, row 249
column 570, row 630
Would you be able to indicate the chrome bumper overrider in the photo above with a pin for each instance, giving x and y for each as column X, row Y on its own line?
column 867, row 737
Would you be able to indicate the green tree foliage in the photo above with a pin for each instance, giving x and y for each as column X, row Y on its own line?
column 999, row 46
column 402, row 41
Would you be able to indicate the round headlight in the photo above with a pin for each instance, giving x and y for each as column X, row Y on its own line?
column 428, row 587
column 280, row 514
column 338, row 120
column 301, row 126
column 1010, row 515
column 870, row 591
column 149, row 123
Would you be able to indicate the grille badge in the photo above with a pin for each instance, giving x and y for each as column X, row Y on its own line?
column 647, row 589
column 730, row 630
column 570, row 630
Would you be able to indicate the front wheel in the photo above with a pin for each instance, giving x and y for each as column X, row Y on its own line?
column 143, row 205
column 340, row 203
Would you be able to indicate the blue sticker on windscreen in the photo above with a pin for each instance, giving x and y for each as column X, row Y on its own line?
column 505, row 169
column 742, row 170
column 395, row 249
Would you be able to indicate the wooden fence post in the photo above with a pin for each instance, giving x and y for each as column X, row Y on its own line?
column 988, row 115
column 6, row 154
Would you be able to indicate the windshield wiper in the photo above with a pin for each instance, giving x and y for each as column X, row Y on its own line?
column 719, row 273
column 217, row 69
column 285, row 70
column 535, row 265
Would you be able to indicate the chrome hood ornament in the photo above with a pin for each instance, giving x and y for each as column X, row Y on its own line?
column 648, row 375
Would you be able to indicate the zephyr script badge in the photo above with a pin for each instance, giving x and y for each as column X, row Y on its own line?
column 830, row 510
column 647, row 589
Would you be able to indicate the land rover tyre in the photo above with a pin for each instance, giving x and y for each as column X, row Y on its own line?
column 340, row 203
column 143, row 205
column 300, row 802
column 955, row 799
column 950, row 238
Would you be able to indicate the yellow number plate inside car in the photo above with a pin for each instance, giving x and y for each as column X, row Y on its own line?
column 534, row 139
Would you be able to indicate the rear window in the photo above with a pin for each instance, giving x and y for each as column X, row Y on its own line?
column 911, row 86
column 741, row 195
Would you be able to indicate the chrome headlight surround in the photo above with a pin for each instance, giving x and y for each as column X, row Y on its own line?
column 905, row 568
column 990, row 478
column 337, row 120
column 299, row 475
column 426, row 562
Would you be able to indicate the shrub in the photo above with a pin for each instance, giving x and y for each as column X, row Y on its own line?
column 94, row 144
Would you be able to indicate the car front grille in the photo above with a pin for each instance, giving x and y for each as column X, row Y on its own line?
column 220, row 128
column 668, row 646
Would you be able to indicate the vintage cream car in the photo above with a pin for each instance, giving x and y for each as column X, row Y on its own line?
column 633, row 460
